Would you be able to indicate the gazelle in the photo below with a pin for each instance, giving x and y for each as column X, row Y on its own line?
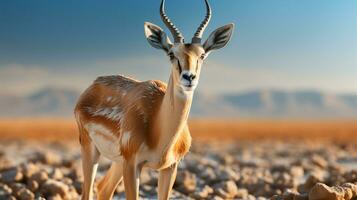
column 144, row 124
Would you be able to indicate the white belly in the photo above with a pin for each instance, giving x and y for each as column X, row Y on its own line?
column 107, row 144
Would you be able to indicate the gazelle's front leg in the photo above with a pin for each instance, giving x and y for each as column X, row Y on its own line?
column 166, row 181
column 131, row 173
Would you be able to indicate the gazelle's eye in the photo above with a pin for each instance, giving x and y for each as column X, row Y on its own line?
column 171, row 55
column 203, row 56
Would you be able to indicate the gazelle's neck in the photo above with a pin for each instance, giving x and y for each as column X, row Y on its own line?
column 173, row 113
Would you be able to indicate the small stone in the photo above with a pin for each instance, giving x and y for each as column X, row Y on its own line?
column 292, row 195
column 227, row 189
column 319, row 161
column 16, row 187
column 203, row 193
column 5, row 163
column 351, row 176
column 75, row 174
column 226, row 159
column 352, row 187
column 297, row 171
column 149, row 189
column 56, row 174
column 29, row 169
column 227, row 173
column 40, row 177
column 186, row 182
column 32, row 185
column 7, row 197
column 72, row 193
column 55, row 197
column 5, row 189
column 11, row 175
column 262, row 198
column 251, row 197
column 48, row 158
column 309, row 183
column 208, row 175
column 145, row 177
column 217, row 198
column 25, row 194
column 67, row 181
column 53, row 187
column 242, row 193
column 323, row 192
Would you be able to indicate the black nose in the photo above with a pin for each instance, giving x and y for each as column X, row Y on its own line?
column 188, row 77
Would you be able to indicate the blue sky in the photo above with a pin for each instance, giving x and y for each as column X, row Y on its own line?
column 288, row 44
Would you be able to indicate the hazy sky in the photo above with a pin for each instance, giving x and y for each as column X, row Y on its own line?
column 289, row 44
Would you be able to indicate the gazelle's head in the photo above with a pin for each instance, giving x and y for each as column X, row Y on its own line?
column 187, row 58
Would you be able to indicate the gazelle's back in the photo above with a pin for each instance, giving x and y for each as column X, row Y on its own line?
column 122, row 108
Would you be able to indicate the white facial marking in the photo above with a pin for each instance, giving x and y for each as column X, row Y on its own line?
column 183, row 94
column 109, row 99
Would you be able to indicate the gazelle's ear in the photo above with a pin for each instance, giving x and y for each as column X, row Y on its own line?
column 219, row 38
column 157, row 37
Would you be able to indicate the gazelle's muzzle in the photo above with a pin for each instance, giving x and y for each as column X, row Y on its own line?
column 188, row 81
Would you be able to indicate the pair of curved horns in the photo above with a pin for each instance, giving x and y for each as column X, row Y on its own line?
column 178, row 37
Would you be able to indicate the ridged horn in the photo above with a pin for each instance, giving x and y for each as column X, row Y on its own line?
column 198, row 35
column 178, row 37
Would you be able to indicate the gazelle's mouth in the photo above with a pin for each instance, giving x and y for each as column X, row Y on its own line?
column 188, row 87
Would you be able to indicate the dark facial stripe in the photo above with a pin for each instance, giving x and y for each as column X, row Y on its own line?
column 179, row 65
column 196, row 66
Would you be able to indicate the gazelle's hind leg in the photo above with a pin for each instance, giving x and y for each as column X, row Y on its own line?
column 110, row 181
column 90, row 157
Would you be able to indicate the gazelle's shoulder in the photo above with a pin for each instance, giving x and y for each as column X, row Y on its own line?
column 153, row 88
column 159, row 85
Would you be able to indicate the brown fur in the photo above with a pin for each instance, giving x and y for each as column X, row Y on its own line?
column 139, row 106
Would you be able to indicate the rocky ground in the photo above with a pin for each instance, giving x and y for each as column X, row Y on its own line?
column 289, row 170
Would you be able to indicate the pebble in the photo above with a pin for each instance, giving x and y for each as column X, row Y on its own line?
column 46, row 157
column 25, row 194
column 5, row 190
column 226, row 190
column 185, row 182
column 56, row 174
column 310, row 182
column 29, row 169
column 208, row 175
column 203, row 193
column 319, row 161
column 53, row 187
column 40, row 177
column 32, row 185
column 323, row 192
column 13, row 174
column 227, row 173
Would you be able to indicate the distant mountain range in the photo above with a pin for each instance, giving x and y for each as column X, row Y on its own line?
column 54, row 102
column 277, row 104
